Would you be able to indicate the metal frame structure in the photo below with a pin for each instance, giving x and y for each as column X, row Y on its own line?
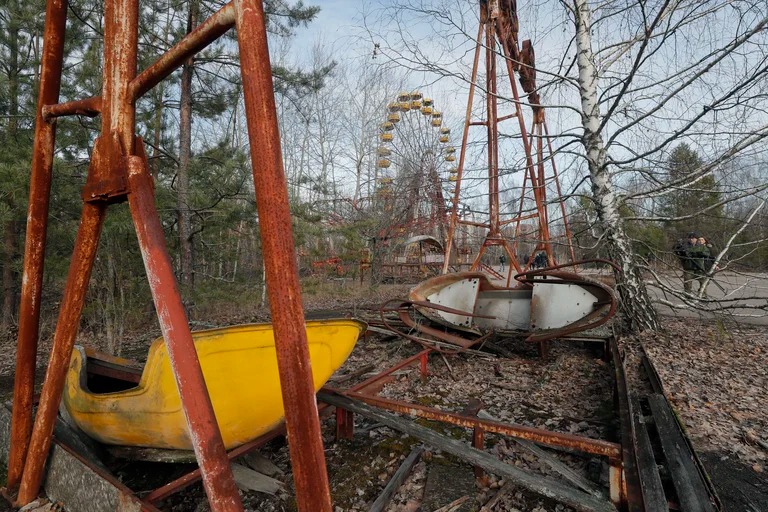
column 498, row 36
column 119, row 172
column 368, row 392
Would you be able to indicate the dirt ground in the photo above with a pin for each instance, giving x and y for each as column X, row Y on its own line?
column 714, row 373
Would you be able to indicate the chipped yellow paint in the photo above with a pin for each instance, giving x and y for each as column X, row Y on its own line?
column 240, row 368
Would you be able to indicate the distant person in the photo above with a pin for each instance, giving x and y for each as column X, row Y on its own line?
column 706, row 264
column 502, row 261
column 693, row 257
column 540, row 260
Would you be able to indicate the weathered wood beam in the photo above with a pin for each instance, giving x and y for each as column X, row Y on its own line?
column 397, row 480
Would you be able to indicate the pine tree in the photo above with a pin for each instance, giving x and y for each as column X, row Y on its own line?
column 692, row 204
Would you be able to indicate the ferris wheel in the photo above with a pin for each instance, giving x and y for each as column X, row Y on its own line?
column 416, row 165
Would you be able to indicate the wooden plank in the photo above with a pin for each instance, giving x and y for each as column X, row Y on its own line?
column 542, row 485
column 651, row 487
column 250, row 480
column 77, row 486
column 631, row 493
column 260, row 463
column 397, row 480
column 691, row 490
column 554, row 464
column 503, row 491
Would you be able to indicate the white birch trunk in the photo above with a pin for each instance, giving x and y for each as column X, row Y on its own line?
column 635, row 307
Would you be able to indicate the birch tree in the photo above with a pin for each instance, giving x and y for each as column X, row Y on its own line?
column 625, row 93
column 637, row 310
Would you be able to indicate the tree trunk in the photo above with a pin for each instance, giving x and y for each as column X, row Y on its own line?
column 158, row 128
column 9, row 277
column 636, row 310
column 9, row 229
column 185, row 153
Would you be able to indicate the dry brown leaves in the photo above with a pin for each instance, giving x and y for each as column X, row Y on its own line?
column 716, row 377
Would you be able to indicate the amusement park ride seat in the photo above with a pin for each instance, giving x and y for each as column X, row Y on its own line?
column 116, row 404
column 546, row 303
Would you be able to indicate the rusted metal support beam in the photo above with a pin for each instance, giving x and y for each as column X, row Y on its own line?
column 616, row 481
column 206, row 33
column 204, row 431
column 462, row 155
column 540, row 436
column 345, row 424
column 508, row 116
column 34, row 245
column 303, row 424
column 66, row 330
column 519, row 219
column 90, row 107
column 478, row 442
column 377, row 381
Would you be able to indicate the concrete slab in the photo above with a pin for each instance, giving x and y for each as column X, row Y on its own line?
column 77, row 486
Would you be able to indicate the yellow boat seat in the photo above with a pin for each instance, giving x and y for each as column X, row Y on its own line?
column 240, row 368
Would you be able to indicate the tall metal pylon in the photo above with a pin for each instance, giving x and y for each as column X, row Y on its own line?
column 497, row 39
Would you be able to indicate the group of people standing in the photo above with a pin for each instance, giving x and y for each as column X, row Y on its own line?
column 539, row 261
column 697, row 259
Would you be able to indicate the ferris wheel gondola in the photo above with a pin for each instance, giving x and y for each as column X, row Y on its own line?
column 404, row 101
column 416, row 100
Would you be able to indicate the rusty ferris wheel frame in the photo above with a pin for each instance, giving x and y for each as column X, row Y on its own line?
column 119, row 172
column 497, row 36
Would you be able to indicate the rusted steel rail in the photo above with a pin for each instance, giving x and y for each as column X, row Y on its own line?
column 537, row 435
column 367, row 392
column 630, row 473
column 90, row 107
column 205, row 33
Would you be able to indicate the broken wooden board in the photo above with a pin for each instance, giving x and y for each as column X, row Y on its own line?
column 691, row 489
column 257, row 462
column 553, row 463
column 250, row 480
column 397, row 480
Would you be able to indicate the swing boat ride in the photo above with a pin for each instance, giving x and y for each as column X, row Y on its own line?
column 224, row 392
column 127, row 407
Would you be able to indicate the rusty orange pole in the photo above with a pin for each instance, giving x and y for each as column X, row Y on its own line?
column 66, row 329
column 568, row 236
column 462, row 154
column 492, row 129
column 34, row 247
column 118, row 113
column 301, row 418
column 204, row 431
